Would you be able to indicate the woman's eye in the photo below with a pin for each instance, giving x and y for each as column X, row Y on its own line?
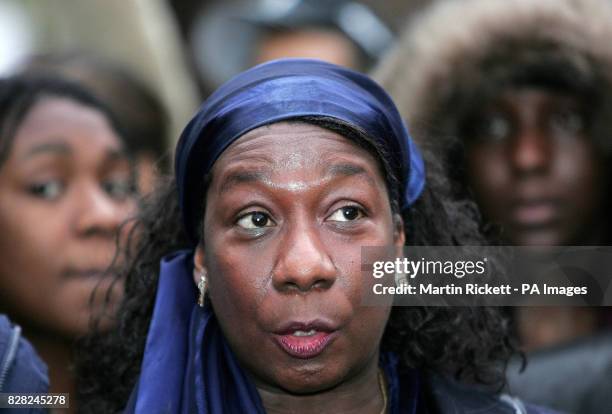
column 569, row 121
column 347, row 213
column 49, row 190
column 119, row 189
column 494, row 127
column 255, row 220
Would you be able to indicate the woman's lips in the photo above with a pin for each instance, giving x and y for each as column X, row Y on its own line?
column 535, row 214
column 305, row 340
column 305, row 344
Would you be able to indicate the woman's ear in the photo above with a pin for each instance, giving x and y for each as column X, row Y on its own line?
column 199, row 263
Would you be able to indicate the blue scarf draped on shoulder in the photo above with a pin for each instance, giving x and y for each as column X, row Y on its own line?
column 188, row 367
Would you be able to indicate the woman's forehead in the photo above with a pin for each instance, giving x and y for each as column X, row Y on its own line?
column 63, row 119
column 292, row 145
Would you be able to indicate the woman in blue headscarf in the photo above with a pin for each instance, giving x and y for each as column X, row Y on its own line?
column 281, row 176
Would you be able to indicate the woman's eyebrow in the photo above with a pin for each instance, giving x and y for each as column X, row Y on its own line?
column 241, row 177
column 345, row 169
column 117, row 154
column 57, row 148
column 348, row 170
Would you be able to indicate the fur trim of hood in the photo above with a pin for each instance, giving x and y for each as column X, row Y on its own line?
column 445, row 46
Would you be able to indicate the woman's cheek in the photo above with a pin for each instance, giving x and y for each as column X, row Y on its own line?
column 237, row 280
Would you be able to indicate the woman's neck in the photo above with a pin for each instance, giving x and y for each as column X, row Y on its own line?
column 360, row 395
column 57, row 354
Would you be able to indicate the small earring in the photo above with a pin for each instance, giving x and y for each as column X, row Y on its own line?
column 202, row 286
column 401, row 279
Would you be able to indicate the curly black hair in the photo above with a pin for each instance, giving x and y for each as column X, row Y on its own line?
column 472, row 344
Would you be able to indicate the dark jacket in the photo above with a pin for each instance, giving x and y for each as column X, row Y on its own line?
column 449, row 397
column 21, row 370
column 551, row 376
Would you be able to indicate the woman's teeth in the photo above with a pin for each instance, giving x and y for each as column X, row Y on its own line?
column 305, row 333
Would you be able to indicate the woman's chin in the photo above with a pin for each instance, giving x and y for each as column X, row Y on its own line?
column 312, row 377
column 307, row 384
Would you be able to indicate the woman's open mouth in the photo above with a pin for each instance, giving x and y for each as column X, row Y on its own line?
column 305, row 341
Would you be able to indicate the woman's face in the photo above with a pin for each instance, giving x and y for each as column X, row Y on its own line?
column 535, row 171
column 288, row 209
column 64, row 190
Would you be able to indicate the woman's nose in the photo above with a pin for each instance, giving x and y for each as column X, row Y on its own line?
column 303, row 262
column 99, row 213
column 530, row 151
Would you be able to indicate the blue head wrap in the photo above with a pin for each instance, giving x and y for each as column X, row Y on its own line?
column 288, row 89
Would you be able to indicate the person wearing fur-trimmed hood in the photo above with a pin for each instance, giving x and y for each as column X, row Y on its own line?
column 515, row 97
column 460, row 75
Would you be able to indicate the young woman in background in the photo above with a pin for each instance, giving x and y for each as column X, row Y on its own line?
column 66, row 184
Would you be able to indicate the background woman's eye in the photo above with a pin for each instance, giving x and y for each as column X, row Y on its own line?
column 120, row 188
column 255, row 220
column 48, row 190
column 493, row 127
column 347, row 213
column 568, row 121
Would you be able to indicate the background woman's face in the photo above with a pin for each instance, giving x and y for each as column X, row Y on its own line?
column 64, row 189
column 534, row 170
column 288, row 209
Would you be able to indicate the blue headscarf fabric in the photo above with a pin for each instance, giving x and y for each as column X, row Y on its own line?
column 188, row 367
column 287, row 89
